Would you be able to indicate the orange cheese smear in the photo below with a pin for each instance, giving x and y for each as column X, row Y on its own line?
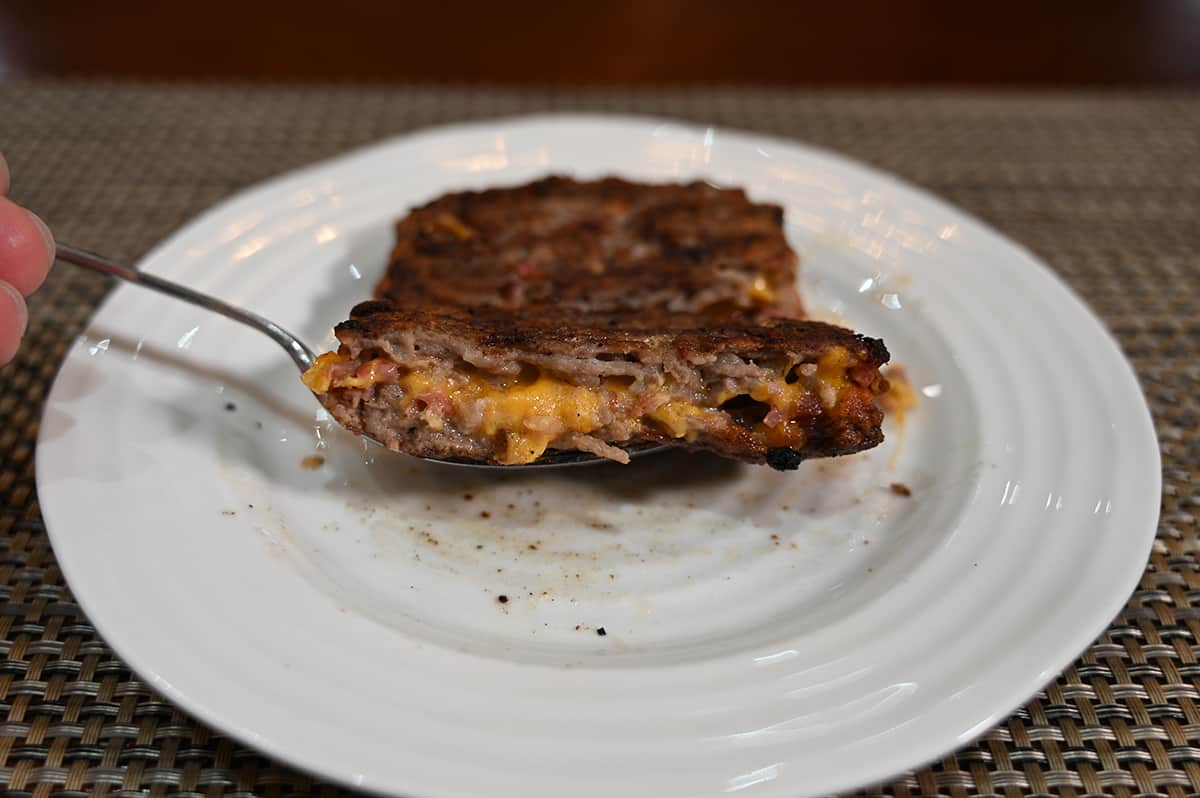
column 760, row 290
column 530, row 414
column 318, row 377
column 901, row 397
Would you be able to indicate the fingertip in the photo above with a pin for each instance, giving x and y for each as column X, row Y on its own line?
column 26, row 247
column 14, row 317
column 47, row 236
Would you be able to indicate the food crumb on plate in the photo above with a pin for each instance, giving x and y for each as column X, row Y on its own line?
column 600, row 631
column 230, row 406
column 900, row 489
column 312, row 462
column 503, row 599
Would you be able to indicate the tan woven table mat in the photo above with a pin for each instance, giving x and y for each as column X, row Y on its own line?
column 1106, row 188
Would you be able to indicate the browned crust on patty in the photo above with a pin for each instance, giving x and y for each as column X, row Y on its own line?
column 558, row 331
column 600, row 245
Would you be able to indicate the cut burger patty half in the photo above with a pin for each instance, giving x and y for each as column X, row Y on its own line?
column 484, row 385
column 600, row 246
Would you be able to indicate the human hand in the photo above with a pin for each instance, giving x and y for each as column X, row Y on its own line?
column 26, row 252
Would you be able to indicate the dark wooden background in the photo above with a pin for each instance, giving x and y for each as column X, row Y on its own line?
column 906, row 42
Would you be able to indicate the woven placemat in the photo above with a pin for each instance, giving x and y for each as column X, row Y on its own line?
column 1106, row 188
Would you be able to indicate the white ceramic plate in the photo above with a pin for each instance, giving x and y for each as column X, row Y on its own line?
column 767, row 633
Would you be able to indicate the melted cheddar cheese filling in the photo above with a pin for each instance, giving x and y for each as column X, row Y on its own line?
column 531, row 413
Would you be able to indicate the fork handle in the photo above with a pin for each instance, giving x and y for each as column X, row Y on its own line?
column 300, row 354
